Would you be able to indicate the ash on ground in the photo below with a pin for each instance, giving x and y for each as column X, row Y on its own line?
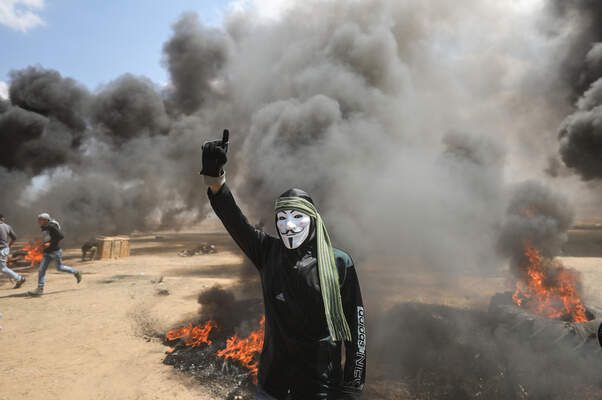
column 225, row 378
column 422, row 351
column 428, row 352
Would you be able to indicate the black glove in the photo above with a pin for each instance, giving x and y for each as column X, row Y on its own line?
column 214, row 156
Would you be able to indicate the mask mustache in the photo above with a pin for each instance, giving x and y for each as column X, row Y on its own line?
column 291, row 232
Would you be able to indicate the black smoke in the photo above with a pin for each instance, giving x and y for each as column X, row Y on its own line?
column 580, row 65
column 536, row 216
column 129, row 107
column 231, row 312
column 580, row 134
column 194, row 56
column 47, row 93
column 20, row 132
column 121, row 158
column 43, row 125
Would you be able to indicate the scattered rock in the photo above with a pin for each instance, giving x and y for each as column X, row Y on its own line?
column 161, row 289
column 203, row 248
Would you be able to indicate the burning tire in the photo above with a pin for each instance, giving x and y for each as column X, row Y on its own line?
column 540, row 330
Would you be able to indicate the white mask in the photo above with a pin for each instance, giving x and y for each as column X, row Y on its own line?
column 293, row 226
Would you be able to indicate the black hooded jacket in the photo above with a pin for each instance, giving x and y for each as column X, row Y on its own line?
column 298, row 355
column 52, row 233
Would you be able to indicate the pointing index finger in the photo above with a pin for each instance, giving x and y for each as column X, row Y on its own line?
column 225, row 137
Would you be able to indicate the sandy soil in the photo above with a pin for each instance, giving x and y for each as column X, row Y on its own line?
column 96, row 340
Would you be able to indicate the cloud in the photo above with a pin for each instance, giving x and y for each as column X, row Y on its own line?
column 3, row 90
column 21, row 15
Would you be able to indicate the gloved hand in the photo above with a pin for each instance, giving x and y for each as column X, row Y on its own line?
column 214, row 156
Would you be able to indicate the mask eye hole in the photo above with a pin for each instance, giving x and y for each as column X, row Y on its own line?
column 281, row 218
column 298, row 216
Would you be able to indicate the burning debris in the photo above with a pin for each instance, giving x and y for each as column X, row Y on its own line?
column 536, row 226
column 222, row 349
column 549, row 289
column 246, row 350
column 30, row 254
column 504, row 353
column 202, row 351
column 541, row 328
column 193, row 336
column 201, row 249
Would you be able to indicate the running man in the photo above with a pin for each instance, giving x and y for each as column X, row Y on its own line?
column 7, row 238
column 52, row 235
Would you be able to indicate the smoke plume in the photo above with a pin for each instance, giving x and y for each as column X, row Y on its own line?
column 535, row 216
column 581, row 69
column 129, row 107
column 580, row 21
column 410, row 124
column 194, row 56
column 581, row 135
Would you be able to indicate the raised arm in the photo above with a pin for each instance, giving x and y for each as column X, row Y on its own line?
column 252, row 241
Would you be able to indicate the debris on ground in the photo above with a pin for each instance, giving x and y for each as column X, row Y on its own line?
column 202, row 248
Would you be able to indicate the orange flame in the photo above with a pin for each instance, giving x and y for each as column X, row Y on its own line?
column 246, row 350
column 35, row 252
column 194, row 335
column 550, row 289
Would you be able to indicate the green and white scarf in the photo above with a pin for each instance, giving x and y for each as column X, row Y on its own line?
column 329, row 276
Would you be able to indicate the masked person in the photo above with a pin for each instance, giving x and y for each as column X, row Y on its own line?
column 313, row 304
column 52, row 235
column 7, row 238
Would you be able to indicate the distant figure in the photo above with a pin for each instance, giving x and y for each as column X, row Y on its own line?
column 52, row 235
column 7, row 238
column 89, row 250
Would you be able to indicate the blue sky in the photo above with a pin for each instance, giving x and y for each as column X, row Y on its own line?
column 94, row 41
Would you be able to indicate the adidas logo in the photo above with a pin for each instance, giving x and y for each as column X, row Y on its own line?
column 280, row 297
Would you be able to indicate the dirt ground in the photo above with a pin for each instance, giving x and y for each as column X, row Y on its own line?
column 96, row 340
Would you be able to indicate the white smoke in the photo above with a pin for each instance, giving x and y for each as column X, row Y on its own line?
column 3, row 90
column 262, row 9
